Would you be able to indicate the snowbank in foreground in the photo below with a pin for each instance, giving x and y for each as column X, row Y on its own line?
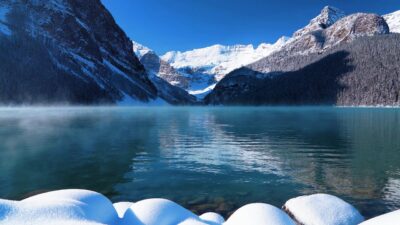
column 322, row 209
column 260, row 214
column 81, row 207
column 386, row 219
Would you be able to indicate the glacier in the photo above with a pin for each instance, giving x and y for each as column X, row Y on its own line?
column 219, row 60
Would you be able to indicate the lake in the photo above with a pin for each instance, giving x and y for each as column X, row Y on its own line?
column 205, row 158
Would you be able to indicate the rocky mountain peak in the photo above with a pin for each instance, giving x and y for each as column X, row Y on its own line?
column 169, row 82
column 141, row 50
column 328, row 16
column 311, row 39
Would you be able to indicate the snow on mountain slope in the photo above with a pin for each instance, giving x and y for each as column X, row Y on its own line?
column 163, row 76
column 328, row 16
column 74, row 53
column 261, row 82
column 393, row 20
column 203, row 68
column 140, row 50
column 219, row 60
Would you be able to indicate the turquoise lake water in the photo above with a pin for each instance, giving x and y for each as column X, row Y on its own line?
column 205, row 158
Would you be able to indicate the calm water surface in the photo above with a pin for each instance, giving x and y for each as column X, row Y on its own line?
column 205, row 158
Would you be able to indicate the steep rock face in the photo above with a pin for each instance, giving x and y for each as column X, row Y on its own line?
column 66, row 51
column 393, row 20
column 328, row 16
column 163, row 76
column 154, row 63
column 319, row 40
column 240, row 86
column 345, row 29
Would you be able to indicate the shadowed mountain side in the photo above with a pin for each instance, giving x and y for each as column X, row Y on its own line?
column 364, row 72
column 72, row 52
column 28, row 76
column 160, row 73
column 288, row 88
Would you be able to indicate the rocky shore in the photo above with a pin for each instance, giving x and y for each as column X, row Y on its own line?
column 82, row 207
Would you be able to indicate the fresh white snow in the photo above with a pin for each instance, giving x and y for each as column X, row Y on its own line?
column 260, row 214
column 323, row 209
column 206, row 66
column 83, row 207
column 140, row 50
column 386, row 219
column 328, row 16
column 122, row 207
column 219, row 60
column 60, row 207
column 393, row 20
column 212, row 218
column 197, row 90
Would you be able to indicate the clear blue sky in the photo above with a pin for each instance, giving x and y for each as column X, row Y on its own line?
column 165, row 25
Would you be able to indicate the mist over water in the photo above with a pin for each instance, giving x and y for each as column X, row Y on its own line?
column 205, row 158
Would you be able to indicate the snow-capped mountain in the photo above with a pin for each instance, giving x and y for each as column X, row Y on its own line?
column 168, row 81
column 328, row 16
column 206, row 66
column 308, row 69
column 220, row 59
column 332, row 27
column 72, row 52
column 140, row 50
column 393, row 20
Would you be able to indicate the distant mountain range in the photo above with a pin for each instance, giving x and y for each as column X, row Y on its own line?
column 69, row 52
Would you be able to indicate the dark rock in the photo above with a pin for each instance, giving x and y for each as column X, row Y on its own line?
column 70, row 52
column 198, row 201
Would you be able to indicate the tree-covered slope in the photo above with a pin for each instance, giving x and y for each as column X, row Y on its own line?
column 365, row 71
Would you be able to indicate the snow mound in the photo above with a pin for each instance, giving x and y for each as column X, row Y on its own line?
column 386, row 219
column 122, row 207
column 212, row 218
column 82, row 207
column 322, row 209
column 150, row 211
column 78, row 207
column 260, row 214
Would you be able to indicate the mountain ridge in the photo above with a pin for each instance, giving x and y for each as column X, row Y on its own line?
column 249, row 84
column 63, row 51
column 81, row 56
column 198, row 79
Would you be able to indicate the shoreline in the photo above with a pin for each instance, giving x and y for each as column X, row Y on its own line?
column 13, row 107
column 87, row 207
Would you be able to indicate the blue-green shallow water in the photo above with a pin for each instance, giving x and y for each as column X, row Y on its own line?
column 205, row 158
